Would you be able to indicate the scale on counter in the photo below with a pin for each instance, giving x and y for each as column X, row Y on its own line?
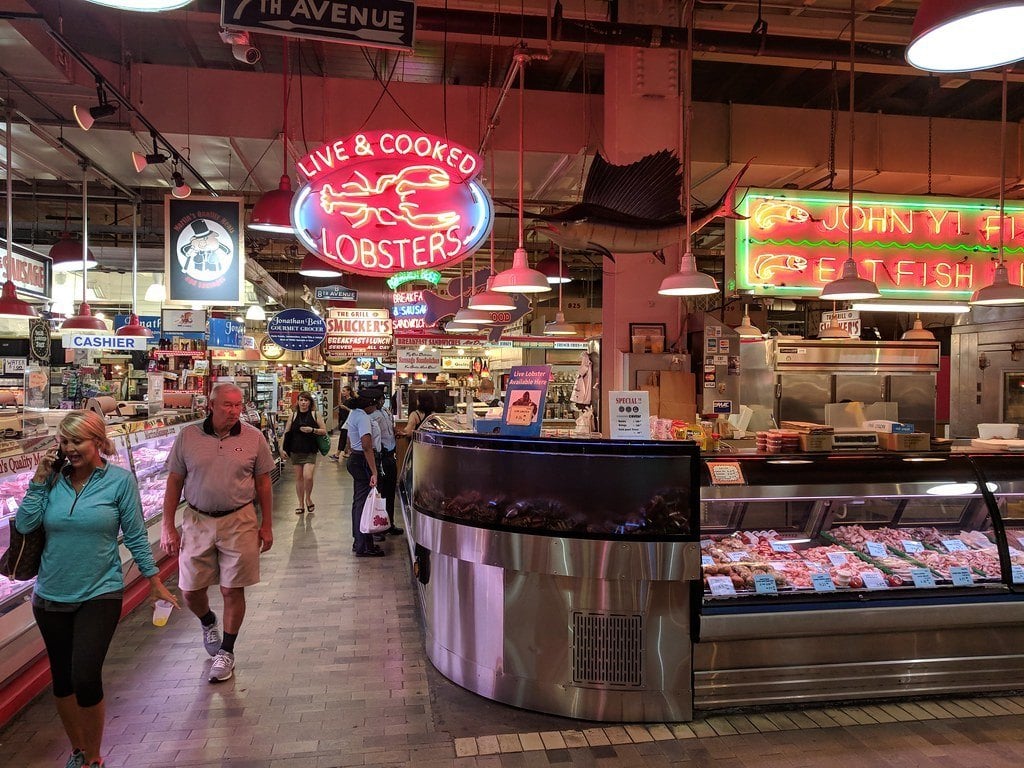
column 854, row 440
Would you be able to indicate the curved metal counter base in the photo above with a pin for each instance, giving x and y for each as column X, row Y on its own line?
column 589, row 629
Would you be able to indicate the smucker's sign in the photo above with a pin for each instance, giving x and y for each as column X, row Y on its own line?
column 383, row 202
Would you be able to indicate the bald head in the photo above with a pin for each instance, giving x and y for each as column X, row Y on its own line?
column 225, row 407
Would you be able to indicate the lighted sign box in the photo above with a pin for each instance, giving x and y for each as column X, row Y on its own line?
column 384, row 202
column 794, row 242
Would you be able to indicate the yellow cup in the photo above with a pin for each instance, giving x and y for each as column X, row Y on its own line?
column 161, row 612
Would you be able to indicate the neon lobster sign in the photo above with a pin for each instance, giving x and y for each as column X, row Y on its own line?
column 384, row 202
column 793, row 242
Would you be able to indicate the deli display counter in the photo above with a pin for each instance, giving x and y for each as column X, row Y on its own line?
column 837, row 577
column 557, row 574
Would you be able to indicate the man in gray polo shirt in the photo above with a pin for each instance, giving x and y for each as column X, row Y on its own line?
column 222, row 465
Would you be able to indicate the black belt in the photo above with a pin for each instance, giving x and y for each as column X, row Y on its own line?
column 386, row 451
column 219, row 512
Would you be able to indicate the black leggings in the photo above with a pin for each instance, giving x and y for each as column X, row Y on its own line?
column 77, row 643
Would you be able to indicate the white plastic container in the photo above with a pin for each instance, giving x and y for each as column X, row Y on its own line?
column 997, row 431
column 161, row 612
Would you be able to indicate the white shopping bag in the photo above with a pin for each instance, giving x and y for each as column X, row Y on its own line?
column 375, row 514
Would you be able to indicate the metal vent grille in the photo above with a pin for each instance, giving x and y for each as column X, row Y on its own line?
column 608, row 650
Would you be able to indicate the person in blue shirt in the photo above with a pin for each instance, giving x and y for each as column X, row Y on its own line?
column 83, row 502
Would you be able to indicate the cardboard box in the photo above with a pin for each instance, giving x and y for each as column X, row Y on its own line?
column 882, row 425
column 916, row 441
column 815, row 442
column 808, row 427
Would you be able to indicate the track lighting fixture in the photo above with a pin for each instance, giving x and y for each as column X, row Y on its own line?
column 141, row 161
column 180, row 189
column 86, row 116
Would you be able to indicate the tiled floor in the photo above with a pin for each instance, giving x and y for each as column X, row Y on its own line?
column 331, row 672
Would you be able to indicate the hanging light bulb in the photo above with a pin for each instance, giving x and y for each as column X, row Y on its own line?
column 156, row 292
column 313, row 266
column 918, row 332
column 850, row 286
column 255, row 312
column 746, row 329
column 13, row 307
column 558, row 327
column 520, row 278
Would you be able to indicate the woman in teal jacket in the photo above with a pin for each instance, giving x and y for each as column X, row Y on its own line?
column 82, row 505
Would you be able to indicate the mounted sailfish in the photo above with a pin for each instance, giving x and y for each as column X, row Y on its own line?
column 632, row 209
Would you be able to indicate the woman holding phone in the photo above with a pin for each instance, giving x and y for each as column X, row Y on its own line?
column 83, row 502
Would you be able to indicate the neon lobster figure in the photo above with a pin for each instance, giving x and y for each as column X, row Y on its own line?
column 395, row 198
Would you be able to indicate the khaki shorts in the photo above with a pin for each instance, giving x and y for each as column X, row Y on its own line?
column 224, row 550
column 302, row 458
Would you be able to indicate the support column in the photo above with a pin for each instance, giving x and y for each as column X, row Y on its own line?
column 642, row 115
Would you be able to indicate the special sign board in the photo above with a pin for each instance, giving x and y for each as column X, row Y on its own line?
column 376, row 23
column 794, row 242
column 383, row 202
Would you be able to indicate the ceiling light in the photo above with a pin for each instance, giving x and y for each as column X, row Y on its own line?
column 313, row 266
column 180, row 190
column 966, row 35
column 473, row 317
column 918, row 332
column 151, row 6
column 554, row 270
column 84, row 321
column 133, row 328
column 255, row 312
column 156, row 292
column 490, row 300
column 453, row 327
column 688, row 281
column 140, row 161
column 746, row 329
column 86, row 116
column 558, row 326
column 66, row 255
column 850, row 285
column 927, row 307
column 520, row 278
column 273, row 211
column 13, row 307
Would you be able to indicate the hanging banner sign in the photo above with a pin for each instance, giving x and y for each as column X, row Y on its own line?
column 225, row 333
column 105, row 343
column 376, row 24
column 414, row 361
column 39, row 340
column 31, row 272
column 334, row 293
column 431, row 276
column 297, row 329
column 794, row 242
column 383, row 202
column 204, row 254
column 183, row 320
column 359, row 322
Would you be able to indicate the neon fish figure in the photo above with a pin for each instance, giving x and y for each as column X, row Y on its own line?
column 632, row 209
column 394, row 199
column 767, row 264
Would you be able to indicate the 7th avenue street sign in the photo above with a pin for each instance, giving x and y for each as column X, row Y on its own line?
column 374, row 23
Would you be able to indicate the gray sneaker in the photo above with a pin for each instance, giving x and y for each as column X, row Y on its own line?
column 211, row 638
column 223, row 667
column 76, row 760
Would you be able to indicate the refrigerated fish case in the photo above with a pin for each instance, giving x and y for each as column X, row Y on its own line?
column 828, row 578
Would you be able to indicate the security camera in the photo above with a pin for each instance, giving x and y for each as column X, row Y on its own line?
column 247, row 54
column 241, row 47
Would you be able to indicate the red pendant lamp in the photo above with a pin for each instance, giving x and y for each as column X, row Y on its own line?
column 84, row 321
column 10, row 305
column 133, row 327
column 966, row 35
column 13, row 307
column 273, row 211
column 66, row 255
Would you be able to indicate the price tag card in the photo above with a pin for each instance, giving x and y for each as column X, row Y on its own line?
column 721, row 586
column 922, row 577
column 912, row 547
column 874, row 579
column 961, row 576
column 778, row 565
column 877, row 550
column 705, row 543
column 764, row 584
column 954, row 545
column 822, row 582
column 781, row 546
column 837, row 558
column 1017, row 574
column 1015, row 551
column 739, row 557
column 707, row 560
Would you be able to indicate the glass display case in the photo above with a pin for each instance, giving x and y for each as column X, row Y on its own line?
column 838, row 577
column 149, row 451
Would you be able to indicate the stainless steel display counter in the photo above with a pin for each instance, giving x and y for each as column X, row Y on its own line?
column 556, row 575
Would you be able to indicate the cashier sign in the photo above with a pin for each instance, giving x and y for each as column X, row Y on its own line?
column 382, row 202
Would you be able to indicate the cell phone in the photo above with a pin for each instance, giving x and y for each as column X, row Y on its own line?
column 59, row 461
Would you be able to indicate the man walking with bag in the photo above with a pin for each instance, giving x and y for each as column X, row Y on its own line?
column 388, row 479
column 223, row 466
column 362, row 464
